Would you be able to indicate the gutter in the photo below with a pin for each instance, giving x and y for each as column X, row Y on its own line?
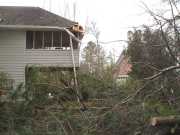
column 30, row 27
column 35, row 27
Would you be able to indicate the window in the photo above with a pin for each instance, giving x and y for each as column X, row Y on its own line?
column 66, row 40
column 57, row 39
column 38, row 40
column 49, row 40
column 75, row 43
column 29, row 40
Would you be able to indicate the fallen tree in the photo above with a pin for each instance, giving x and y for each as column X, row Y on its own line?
column 168, row 120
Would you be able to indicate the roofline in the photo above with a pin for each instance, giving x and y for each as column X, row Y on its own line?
column 43, row 10
column 32, row 27
column 121, row 57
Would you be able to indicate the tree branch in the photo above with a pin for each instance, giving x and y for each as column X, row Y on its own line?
column 162, row 33
column 148, row 65
column 168, row 69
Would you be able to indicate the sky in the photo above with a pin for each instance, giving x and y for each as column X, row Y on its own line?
column 114, row 18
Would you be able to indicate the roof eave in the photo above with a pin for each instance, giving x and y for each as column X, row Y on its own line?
column 39, row 28
column 31, row 27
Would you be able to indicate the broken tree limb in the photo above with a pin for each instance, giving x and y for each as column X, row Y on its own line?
column 78, row 95
column 147, row 64
column 72, row 35
column 162, row 72
column 156, row 121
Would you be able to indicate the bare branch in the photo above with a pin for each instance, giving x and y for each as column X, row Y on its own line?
column 148, row 65
column 162, row 72
column 154, row 92
column 162, row 33
column 174, row 20
column 131, row 97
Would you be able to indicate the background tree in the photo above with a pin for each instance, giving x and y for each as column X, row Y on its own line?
column 147, row 52
column 94, row 57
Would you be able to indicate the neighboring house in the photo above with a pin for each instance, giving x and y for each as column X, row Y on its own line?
column 31, row 36
column 123, row 67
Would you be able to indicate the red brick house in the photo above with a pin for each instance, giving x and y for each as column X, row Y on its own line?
column 123, row 67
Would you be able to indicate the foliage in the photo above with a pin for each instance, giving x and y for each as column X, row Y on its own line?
column 147, row 53
column 94, row 87
column 49, row 100
column 24, row 112
column 48, row 103
column 94, row 57
column 149, row 56
column 152, row 52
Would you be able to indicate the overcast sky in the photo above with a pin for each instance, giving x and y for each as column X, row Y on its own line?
column 113, row 17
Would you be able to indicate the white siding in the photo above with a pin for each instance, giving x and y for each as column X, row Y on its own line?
column 12, row 45
column 14, row 56
column 56, row 58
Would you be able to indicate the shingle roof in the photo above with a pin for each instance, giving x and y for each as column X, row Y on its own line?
column 16, row 15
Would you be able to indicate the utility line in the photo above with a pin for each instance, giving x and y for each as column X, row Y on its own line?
column 113, row 41
column 108, row 42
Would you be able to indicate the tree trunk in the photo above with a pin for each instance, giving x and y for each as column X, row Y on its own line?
column 155, row 121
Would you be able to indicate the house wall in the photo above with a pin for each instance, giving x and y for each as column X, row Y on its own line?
column 14, row 56
column 12, row 45
column 124, row 67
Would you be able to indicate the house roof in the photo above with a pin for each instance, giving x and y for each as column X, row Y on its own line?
column 123, row 67
column 34, row 16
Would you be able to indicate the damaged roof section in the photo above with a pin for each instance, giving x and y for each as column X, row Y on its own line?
column 16, row 15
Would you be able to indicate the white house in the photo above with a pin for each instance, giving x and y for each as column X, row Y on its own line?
column 31, row 36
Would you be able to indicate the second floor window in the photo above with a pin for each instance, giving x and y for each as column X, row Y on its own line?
column 48, row 40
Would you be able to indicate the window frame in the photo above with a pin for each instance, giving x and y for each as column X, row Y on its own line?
column 58, row 44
